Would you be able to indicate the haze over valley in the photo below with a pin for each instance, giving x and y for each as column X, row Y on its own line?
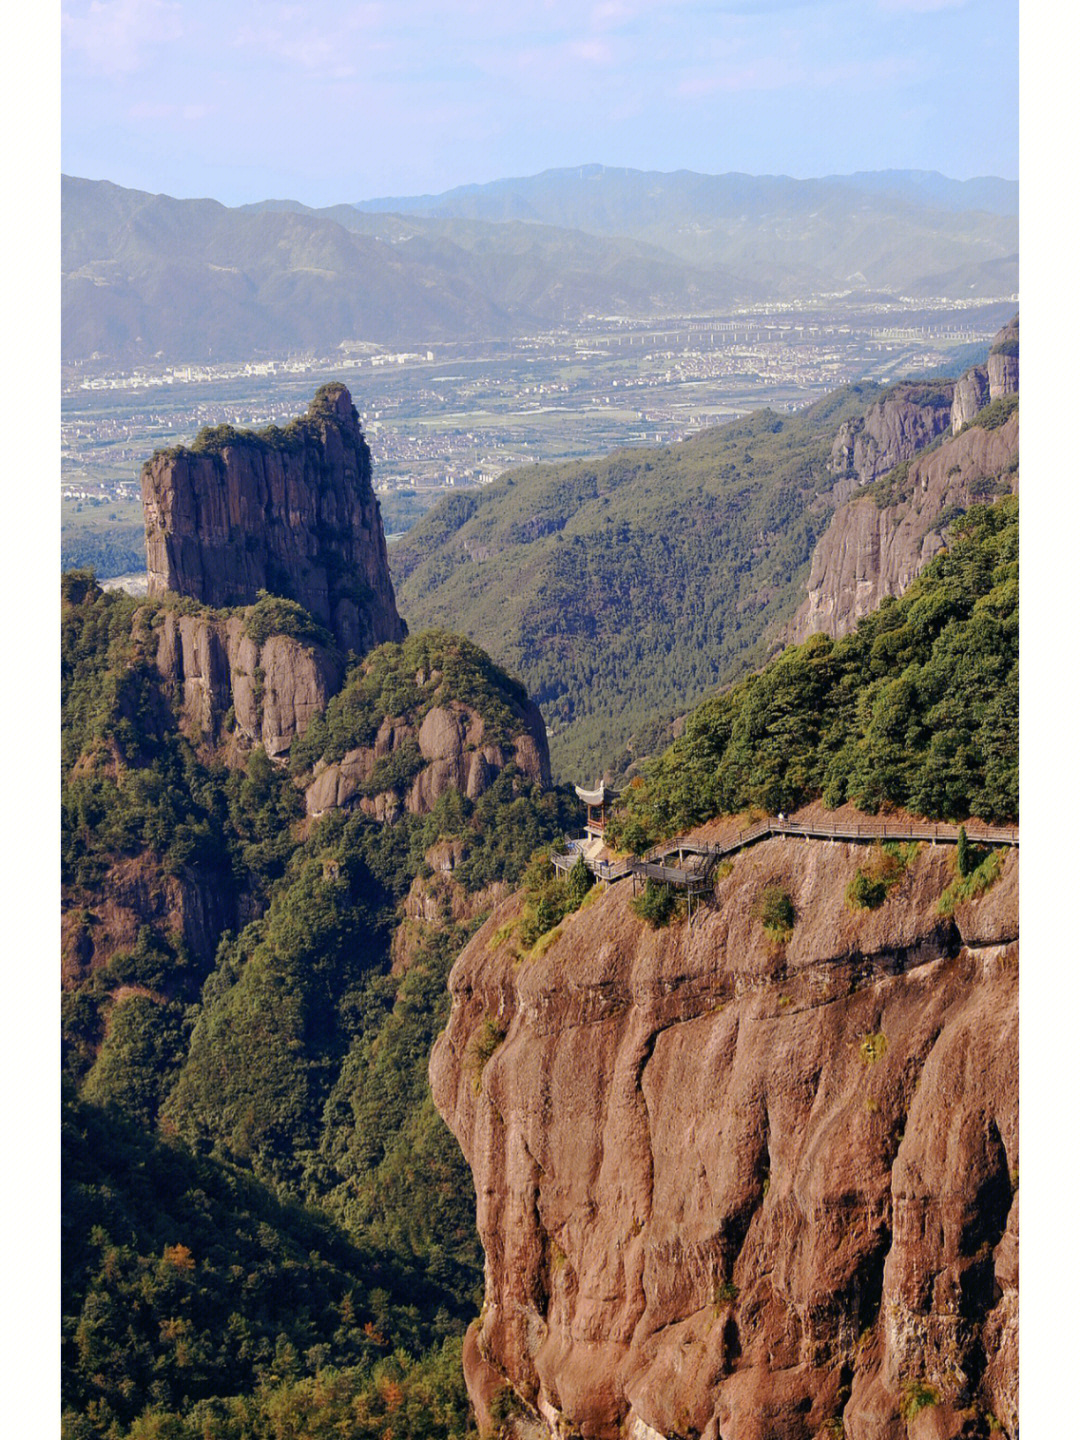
column 558, row 344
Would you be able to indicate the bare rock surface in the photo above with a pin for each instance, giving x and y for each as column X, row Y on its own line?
column 971, row 393
column 292, row 512
column 1000, row 376
column 905, row 420
column 1003, row 362
column 871, row 550
column 453, row 755
column 876, row 545
column 210, row 664
column 740, row 1189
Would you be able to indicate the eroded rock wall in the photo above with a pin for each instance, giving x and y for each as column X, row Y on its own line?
column 746, row 1190
column 453, row 752
column 872, row 550
column 876, row 544
column 210, row 664
column 908, row 418
column 293, row 513
column 1000, row 376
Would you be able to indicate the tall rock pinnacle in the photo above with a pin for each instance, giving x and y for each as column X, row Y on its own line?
column 288, row 511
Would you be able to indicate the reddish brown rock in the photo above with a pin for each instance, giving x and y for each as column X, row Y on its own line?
column 291, row 512
column 193, row 905
column 740, row 1189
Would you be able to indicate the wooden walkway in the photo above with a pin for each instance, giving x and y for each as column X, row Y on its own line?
column 695, row 878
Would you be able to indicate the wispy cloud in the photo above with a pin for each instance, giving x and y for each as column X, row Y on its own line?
column 116, row 37
column 594, row 51
column 777, row 74
column 922, row 7
column 287, row 33
column 156, row 110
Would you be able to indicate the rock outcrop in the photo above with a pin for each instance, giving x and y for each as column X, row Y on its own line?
column 900, row 424
column 288, row 511
column 998, row 377
column 1003, row 362
column 971, row 393
column 436, row 899
column 877, row 542
column 871, row 550
column 193, row 904
column 451, row 753
column 211, row 664
column 740, row 1189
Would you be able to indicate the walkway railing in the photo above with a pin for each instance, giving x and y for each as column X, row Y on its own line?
column 650, row 866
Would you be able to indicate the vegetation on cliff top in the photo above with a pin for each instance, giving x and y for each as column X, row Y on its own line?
column 406, row 680
column 213, row 439
column 917, row 708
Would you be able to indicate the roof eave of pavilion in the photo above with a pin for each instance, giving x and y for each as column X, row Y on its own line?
column 595, row 797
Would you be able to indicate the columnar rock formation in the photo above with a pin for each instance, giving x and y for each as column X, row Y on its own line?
column 983, row 383
column 872, row 550
column 741, row 1189
column 288, row 511
column 211, row 664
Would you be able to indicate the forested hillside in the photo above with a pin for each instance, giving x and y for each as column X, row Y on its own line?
column 269, row 1228
column 629, row 587
column 917, row 708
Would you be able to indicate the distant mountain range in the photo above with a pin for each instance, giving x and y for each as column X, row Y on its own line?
column 148, row 275
column 913, row 230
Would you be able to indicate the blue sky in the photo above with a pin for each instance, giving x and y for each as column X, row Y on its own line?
column 327, row 102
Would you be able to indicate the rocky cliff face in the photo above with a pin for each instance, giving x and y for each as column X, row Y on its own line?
column 210, row 663
column 909, row 417
column 740, row 1189
column 873, row 549
column 288, row 511
column 1003, row 362
column 453, row 754
column 878, row 542
column 983, row 383
column 194, row 905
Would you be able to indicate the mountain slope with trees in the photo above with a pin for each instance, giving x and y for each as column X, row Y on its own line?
column 625, row 588
column 917, row 708
column 266, row 1218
